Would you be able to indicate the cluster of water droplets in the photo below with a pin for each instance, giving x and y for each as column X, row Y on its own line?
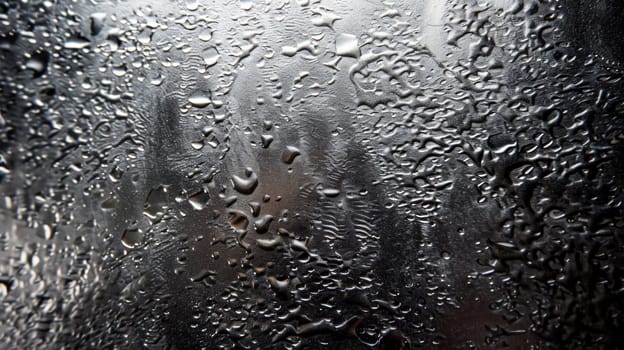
column 307, row 173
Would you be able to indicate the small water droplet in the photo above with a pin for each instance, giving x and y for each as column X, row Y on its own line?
column 211, row 56
column 331, row 192
column 245, row 185
column 200, row 100
column 289, row 154
column 76, row 43
column 266, row 140
column 347, row 45
column 246, row 4
column 131, row 238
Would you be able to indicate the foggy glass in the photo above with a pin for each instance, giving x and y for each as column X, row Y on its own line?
column 311, row 174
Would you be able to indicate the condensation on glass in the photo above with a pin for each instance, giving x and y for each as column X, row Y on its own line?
column 311, row 174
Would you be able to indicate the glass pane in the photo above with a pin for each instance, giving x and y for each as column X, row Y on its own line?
column 306, row 174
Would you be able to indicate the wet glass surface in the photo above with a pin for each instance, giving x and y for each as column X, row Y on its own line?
column 311, row 174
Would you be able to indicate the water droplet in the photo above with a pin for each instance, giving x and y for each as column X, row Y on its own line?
column 266, row 140
column 198, row 200
column 331, row 192
column 347, row 45
column 289, row 154
column 200, row 100
column 238, row 220
column 211, row 56
column 245, row 185
column 131, row 238
column 77, row 43
column 246, row 4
